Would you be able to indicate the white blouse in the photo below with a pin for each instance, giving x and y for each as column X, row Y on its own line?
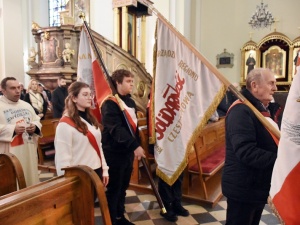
column 73, row 148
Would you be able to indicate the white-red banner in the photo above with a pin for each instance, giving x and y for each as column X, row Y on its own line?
column 285, row 184
column 90, row 72
column 186, row 93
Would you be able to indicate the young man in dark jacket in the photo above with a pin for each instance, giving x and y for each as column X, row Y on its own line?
column 250, row 152
column 58, row 97
column 119, row 146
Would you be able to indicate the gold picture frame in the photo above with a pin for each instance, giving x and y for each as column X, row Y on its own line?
column 296, row 59
column 250, row 62
column 275, row 59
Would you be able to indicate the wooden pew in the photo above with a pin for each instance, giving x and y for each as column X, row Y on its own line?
column 67, row 199
column 11, row 174
column 202, row 180
column 46, row 142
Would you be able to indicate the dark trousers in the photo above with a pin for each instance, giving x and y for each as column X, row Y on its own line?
column 243, row 213
column 170, row 194
column 99, row 173
column 119, row 178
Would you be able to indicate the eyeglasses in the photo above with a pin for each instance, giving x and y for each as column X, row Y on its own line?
column 87, row 96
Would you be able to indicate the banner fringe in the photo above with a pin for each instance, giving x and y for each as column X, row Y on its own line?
column 272, row 206
column 152, row 137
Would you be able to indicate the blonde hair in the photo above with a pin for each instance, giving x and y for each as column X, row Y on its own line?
column 30, row 84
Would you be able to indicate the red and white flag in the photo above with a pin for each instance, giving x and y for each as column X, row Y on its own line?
column 285, row 184
column 186, row 93
column 90, row 72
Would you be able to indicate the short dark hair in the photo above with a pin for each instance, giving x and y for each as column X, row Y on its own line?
column 118, row 76
column 4, row 81
column 61, row 78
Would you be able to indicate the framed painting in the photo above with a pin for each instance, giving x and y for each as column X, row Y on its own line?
column 296, row 60
column 275, row 59
column 250, row 62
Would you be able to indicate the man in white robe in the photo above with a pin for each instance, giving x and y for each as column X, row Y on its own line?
column 20, row 129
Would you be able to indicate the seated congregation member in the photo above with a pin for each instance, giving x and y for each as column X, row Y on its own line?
column 20, row 129
column 251, row 152
column 78, row 137
column 23, row 91
column 41, row 89
column 36, row 99
column 226, row 102
column 119, row 146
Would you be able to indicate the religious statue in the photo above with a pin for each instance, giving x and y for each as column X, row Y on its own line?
column 31, row 58
column 35, row 26
column 67, row 53
column 32, row 54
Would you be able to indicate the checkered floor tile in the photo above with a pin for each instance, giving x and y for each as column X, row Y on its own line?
column 143, row 209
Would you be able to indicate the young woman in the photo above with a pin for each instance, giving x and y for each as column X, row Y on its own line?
column 78, row 137
column 36, row 99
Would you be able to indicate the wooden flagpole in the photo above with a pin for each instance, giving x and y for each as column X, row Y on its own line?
column 115, row 93
column 212, row 68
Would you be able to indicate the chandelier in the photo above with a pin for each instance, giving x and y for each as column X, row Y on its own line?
column 262, row 18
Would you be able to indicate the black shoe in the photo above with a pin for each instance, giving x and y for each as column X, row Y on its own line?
column 96, row 204
column 123, row 221
column 169, row 215
column 180, row 211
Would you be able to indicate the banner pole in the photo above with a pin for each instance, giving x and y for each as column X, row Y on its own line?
column 115, row 93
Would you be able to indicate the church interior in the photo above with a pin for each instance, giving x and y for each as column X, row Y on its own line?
column 39, row 39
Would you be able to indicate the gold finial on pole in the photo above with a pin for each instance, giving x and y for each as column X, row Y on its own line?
column 82, row 16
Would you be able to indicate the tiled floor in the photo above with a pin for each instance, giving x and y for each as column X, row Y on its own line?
column 143, row 209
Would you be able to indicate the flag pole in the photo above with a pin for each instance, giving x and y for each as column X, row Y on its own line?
column 115, row 93
column 213, row 69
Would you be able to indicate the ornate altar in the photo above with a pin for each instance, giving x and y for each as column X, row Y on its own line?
column 52, row 43
column 57, row 54
column 276, row 52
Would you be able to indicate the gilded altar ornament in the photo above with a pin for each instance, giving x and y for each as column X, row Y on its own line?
column 82, row 16
column 35, row 26
column 47, row 35
column 32, row 54
column 141, row 89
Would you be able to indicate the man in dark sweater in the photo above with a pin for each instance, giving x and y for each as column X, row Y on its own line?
column 119, row 145
column 251, row 152
column 58, row 97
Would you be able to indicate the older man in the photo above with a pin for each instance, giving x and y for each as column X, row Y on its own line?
column 19, row 128
column 250, row 152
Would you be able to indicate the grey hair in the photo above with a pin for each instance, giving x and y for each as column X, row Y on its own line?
column 255, row 75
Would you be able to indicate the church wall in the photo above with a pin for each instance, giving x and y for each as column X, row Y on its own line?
column 2, row 69
column 11, row 43
column 210, row 25
column 225, row 25
column 101, row 17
